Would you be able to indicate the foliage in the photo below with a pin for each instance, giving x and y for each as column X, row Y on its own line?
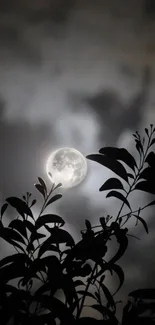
column 50, row 279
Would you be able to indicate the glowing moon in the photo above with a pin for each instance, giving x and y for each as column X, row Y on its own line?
column 67, row 166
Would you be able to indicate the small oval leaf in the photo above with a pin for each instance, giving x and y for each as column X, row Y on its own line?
column 88, row 224
column 41, row 181
column 147, row 132
column 40, row 189
column 33, row 203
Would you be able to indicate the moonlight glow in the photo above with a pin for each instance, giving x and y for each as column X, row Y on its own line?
column 67, row 166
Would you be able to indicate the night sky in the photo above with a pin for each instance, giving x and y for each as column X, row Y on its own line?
column 77, row 73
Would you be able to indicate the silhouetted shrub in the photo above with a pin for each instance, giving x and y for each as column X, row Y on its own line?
column 50, row 279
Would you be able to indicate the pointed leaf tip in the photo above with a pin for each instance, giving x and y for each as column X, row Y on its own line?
column 108, row 162
column 119, row 154
column 3, row 209
column 142, row 221
column 119, row 196
column 111, row 183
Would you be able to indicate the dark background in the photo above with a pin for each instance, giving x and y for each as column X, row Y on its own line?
column 76, row 73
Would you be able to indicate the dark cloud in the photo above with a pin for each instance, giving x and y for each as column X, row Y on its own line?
column 149, row 8
column 115, row 115
column 23, row 150
column 56, row 11
column 15, row 42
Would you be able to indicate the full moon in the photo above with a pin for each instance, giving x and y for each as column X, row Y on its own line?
column 66, row 166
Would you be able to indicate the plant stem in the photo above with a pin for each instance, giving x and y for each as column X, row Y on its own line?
column 142, row 161
column 86, row 290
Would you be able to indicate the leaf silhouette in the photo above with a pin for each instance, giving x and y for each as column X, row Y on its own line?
column 88, row 224
column 119, row 196
column 114, row 165
column 59, row 310
column 108, row 295
column 35, row 266
column 151, row 203
column 48, row 218
column 86, row 293
column 78, row 283
column 143, row 293
column 33, row 203
column 42, row 319
column 41, row 181
column 53, row 199
column 146, row 186
column 105, row 311
column 146, row 173
column 13, row 243
column 139, row 146
column 19, row 257
column 130, row 175
column 123, row 241
column 58, row 185
column 19, row 226
column 12, row 271
column 142, row 221
column 29, row 225
column 85, row 270
column 35, row 236
column 47, row 246
column 44, row 288
column 8, row 234
column 150, row 159
column 119, row 154
column 3, row 209
column 152, row 142
column 41, row 189
column 118, row 270
column 60, row 236
column 21, row 207
column 10, row 310
column 147, row 132
column 111, row 183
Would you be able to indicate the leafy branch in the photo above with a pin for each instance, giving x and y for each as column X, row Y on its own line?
column 57, row 278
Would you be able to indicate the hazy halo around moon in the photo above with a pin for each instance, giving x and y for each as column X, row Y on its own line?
column 67, row 166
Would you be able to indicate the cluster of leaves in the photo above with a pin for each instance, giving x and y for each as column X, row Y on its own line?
column 140, row 308
column 133, row 175
column 50, row 279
